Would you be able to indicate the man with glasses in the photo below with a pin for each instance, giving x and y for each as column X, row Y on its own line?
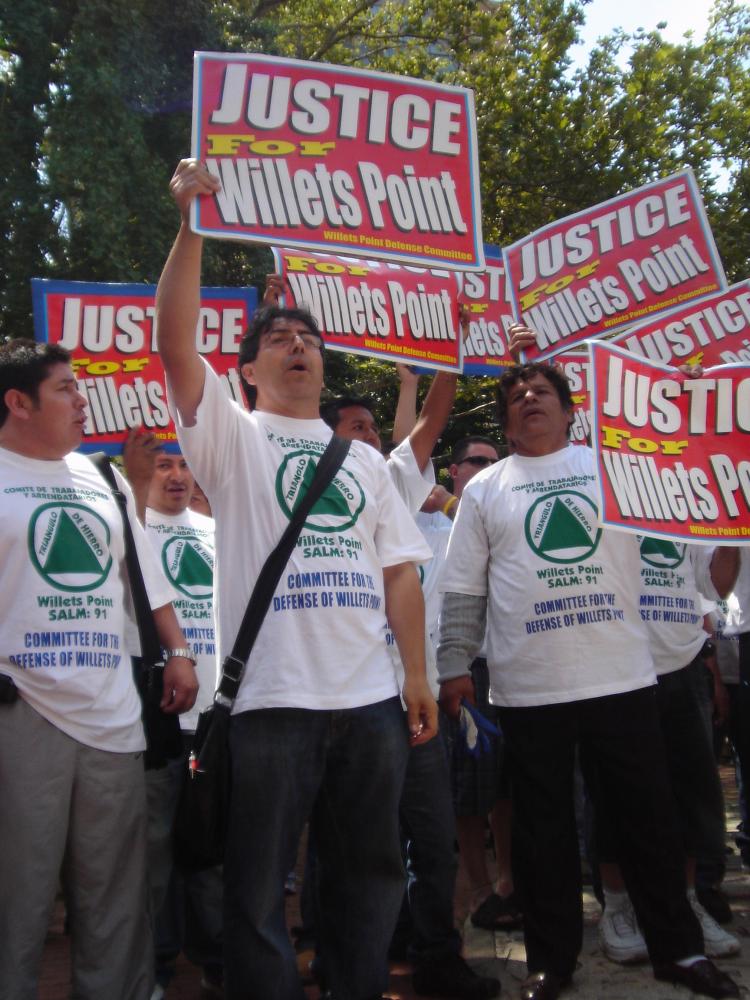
column 317, row 727
column 470, row 455
column 426, row 812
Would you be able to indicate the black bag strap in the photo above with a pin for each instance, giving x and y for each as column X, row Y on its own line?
column 233, row 666
column 151, row 650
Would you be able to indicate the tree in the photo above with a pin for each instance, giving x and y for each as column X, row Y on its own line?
column 97, row 107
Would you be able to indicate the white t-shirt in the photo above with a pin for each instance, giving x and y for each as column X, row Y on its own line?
column 184, row 545
column 436, row 535
column 436, row 529
column 413, row 484
column 673, row 577
column 321, row 645
column 65, row 598
column 562, row 610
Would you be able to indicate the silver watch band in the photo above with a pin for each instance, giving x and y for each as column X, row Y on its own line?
column 184, row 651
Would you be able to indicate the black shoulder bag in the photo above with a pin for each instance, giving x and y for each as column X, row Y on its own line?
column 163, row 736
column 203, row 807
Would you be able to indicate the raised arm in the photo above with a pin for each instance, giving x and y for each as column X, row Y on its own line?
column 178, row 294
column 436, row 408
column 139, row 454
column 433, row 416
column 406, row 407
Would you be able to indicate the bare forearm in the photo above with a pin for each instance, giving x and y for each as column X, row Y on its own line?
column 404, row 608
column 433, row 417
column 405, row 611
column 168, row 628
column 178, row 294
column 177, row 311
column 406, row 411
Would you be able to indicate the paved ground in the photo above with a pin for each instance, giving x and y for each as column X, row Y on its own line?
column 498, row 954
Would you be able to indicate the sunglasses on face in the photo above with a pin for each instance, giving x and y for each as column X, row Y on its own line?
column 480, row 461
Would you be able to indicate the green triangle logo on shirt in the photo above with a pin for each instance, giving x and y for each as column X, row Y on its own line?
column 341, row 503
column 69, row 546
column 561, row 527
column 563, row 531
column 331, row 502
column 69, row 550
column 194, row 569
column 661, row 552
column 188, row 565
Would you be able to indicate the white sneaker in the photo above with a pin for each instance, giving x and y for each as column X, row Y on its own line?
column 620, row 936
column 717, row 942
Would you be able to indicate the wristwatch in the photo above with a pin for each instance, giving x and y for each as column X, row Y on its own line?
column 184, row 651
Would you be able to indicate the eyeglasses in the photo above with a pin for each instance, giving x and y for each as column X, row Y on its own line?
column 481, row 461
column 286, row 338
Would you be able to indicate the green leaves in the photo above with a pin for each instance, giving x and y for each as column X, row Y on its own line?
column 95, row 113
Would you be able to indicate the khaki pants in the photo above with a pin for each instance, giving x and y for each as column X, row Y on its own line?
column 65, row 806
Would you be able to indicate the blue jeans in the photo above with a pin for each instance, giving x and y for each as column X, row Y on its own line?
column 428, row 821
column 344, row 770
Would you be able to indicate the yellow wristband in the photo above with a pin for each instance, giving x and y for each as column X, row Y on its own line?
column 449, row 504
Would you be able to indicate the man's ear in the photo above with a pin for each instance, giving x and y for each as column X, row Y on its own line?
column 452, row 470
column 19, row 403
column 247, row 371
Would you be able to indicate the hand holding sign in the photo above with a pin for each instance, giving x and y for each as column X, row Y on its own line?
column 189, row 181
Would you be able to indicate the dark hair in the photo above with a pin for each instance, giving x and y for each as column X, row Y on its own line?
column 260, row 323
column 461, row 447
column 524, row 373
column 331, row 410
column 24, row 365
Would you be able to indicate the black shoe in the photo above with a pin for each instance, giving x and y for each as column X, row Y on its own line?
column 498, row 913
column 450, row 976
column 715, row 903
column 701, row 977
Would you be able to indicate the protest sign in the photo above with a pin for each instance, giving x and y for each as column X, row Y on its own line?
column 337, row 160
column 628, row 258
column 577, row 368
column 110, row 329
column 484, row 293
column 378, row 309
column 671, row 450
column 713, row 330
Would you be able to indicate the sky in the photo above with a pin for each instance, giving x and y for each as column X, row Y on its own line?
column 604, row 15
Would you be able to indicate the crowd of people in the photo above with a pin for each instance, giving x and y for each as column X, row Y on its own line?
column 555, row 648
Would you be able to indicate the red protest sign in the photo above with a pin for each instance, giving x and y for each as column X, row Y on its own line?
column 336, row 159
column 110, row 329
column 671, row 450
column 484, row 293
column 628, row 258
column 713, row 330
column 382, row 310
column 577, row 368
